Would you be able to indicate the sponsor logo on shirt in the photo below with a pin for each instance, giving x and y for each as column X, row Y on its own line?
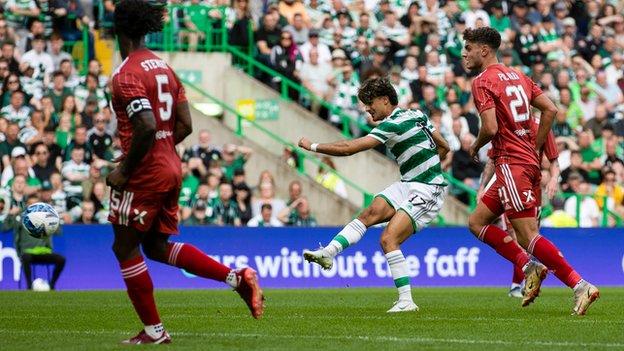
column 522, row 132
column 162, row 134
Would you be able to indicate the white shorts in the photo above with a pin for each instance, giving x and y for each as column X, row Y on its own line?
column 420, row 201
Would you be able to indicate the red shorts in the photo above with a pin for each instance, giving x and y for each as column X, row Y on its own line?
column 145, row 211
column 515, row 192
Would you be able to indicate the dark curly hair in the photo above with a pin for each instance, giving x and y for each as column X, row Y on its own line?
column 377, row 87
column 136, row 18
column 484, row 35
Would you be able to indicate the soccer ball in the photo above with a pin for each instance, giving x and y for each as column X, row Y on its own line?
column 40, row 285
column 40, row 219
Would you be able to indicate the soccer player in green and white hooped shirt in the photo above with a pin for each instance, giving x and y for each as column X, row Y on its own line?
column 409, row 204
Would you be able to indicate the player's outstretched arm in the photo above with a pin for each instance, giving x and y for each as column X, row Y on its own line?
column 143, row 133
column 342, row 147
column 184, row 123
column 549, row 111
column 489, row 127
column 442, row 144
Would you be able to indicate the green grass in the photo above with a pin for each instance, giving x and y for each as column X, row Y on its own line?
column 341, row 319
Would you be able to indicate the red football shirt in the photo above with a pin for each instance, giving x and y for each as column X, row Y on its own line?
column 510, row 93
column 145, row 82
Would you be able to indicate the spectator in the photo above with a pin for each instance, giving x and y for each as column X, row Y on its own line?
column 203, row 150
column 99, row 197
column 329, row 180
column 463, row 166
column 589, row 212
column 266, row 195
column 58, row 92
column 596, row 124
column 401, row 86
column 91, row 90
column 80, row 141
column 49, row 139
column 315, row 77
column 234, row 157
column 190, row 183
column 324, row 55
column 474, row 14
column 297, row 214
column 298, row 29
column 559, row 218
column 55, row 49
column 40, row 60
column 195, row 23
column 8, row 53
column 71, row 79
column 198, row 215
column 295, row 191
column 291, row 8
column 591, row 160
column 265, row 218
column 20, row 168
column 613, row 153
column 576, row 167
column 239, row 32
column 59, row 197
column 32, row 250
column 242, row 195
column 18, row 13
column 285, row 57
column 87, row 214
column 346, row 84
column 16, row 111
column 267, row 36
column 610, row 190
column 99, row 140
column 42, row 167
column 561, row 127
column 226, row 211
column 11, row 141
column 74, row 172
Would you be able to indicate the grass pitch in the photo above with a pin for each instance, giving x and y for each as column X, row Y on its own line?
column 340, row 319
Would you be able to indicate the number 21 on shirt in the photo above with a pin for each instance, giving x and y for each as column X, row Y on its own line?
column 520, row 102
column 164, row 97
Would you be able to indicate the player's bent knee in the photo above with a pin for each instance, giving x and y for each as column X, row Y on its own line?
column 155, row 252
column 388, row 243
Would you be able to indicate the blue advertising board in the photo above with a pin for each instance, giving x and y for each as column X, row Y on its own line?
column 435, row 257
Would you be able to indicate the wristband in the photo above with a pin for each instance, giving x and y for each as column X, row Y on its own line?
column 313, row 146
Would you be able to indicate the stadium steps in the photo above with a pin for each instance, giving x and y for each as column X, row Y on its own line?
column 327, row 207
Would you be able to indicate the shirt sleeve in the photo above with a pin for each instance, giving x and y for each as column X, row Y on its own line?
column 383, row 132
column 482, row 95
column 131, row 92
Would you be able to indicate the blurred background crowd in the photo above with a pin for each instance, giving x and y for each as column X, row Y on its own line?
column 57, row 130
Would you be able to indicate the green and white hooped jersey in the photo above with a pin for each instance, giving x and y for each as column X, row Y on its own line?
column 408, row 136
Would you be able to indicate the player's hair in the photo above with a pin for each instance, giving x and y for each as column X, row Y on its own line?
column 484, row 35
column 377, row 87
column 136, row 18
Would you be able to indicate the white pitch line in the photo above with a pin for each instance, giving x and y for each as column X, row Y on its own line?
column 416, row 340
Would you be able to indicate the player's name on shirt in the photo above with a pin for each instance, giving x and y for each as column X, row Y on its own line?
column 153, row 64
column 507, row 76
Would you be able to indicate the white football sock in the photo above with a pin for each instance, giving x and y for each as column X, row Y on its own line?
column 398, row 268
column 349, row 235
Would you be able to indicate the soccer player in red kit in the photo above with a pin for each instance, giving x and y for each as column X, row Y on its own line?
column 503, row 98
column 488, row 178
column 153, row 116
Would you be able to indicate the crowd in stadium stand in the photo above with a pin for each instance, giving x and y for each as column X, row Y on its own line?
column 57, row 131
column 572, row 49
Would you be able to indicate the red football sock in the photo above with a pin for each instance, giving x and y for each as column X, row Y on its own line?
column 192, row 260
column 140, row 289
column 518, row 275
column 547, row 253
column 504, row 244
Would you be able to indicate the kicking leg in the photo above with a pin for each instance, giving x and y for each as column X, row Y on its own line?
column 547, row 253
column 186, row 256
column 518, row 274
column 139, row 285
column 398, row 230
column 378, row 212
